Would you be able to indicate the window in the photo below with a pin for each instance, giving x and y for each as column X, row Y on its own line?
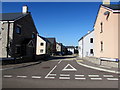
column 41, row 50
column 18, row 50
column 33, row 35
column 101, row 46
column 101, row 24
column 41, row 44
column 18, row 30
column 91, row 40
column 91, row 51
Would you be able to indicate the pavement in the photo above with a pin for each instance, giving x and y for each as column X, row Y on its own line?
column 91, row 65
column 59, row 72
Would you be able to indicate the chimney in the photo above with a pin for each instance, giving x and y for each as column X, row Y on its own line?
column 106, row 2
column 25, row 9
column 88, row 31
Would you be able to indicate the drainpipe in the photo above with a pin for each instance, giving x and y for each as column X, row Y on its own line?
column 8, row 38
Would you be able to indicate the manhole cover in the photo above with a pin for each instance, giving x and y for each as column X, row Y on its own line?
column 46, row 67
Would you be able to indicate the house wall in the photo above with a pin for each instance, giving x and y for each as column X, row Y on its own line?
column 58, row 47
column 109, row 36
column 80, row 48
column 71, row 50
column 119, row 37
column 27, row 29
column 87, row 45
column 4, row 38
column 39, row 47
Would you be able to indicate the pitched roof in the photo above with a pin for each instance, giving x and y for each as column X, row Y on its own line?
column 11, row 16
column 45, row 39
column 85, row 35
column 70, row 47
column 52, row 40
column 113, row 6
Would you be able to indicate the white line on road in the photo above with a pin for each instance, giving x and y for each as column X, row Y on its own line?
column 50, row 77
column 50, row 72
column 96, row 78
column 36, row 77
column 59, row 61
column 80, row 78
column 93, row 75
column 112, row 79
column 21, row 76
column 64, row 77
column 7, row 76
column 107, row 75
column 80, row 75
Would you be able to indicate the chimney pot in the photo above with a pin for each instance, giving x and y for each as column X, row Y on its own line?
column 25, row 9
column 106, row 2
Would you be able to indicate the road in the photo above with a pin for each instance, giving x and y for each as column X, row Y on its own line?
column 60, row 72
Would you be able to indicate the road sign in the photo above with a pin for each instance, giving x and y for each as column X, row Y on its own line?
column 71, row 68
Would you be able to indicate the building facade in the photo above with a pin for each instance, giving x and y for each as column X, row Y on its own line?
column 107, row 32
column 86, row 45
column 42, row 45
column 18, row 34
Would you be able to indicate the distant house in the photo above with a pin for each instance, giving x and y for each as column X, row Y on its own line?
column 107, row 32
column 42, row 45
column 18, row 34
column 59, row 47
column 71, row 49
column 52, row 48
column 86, row 45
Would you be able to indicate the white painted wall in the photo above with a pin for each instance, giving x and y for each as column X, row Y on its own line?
column 39, row 47
column 80, row 48
column 85, row 45
column 71, row 50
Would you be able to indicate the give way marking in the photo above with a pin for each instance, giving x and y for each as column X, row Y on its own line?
column 71, row 68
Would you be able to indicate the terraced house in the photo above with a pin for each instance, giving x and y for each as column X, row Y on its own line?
column 18, row 34
column 107, row 32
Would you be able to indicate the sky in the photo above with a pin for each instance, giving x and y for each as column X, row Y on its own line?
column 66, row 21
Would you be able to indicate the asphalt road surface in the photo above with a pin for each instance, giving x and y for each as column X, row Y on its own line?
column 58, row 73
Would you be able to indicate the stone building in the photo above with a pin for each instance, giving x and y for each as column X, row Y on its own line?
column 18, row 34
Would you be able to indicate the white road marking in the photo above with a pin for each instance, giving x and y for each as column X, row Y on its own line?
column 96, row 68
column 112, row 79
column 80, row 78
column 59, row 61
column 80, row 75
column 72, row 68
column 107, row 75
column 36, row 77
column 21, row 76
column 93, row 75
column 7, row 76
column 64, row 77
column 96, row 78
column 50, row 77
column 50, row 72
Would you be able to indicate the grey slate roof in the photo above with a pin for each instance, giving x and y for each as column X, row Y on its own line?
column 45, row 39
column 85, row 35
column 11, row 16
column 113, row 6
column 70, row 47
column 51, row 40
